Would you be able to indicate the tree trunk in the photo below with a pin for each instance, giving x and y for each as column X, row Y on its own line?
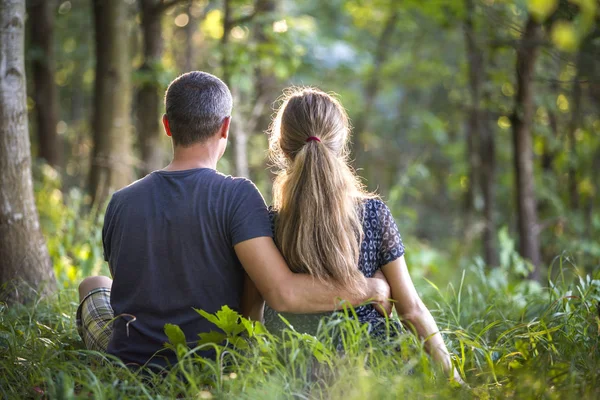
column 23, row 253
column 227, row 26
column 381, row 52
column 549, row 154
column 240, row 139
column 78, row 98
column 592, row 205
column 265, row 82
column 481, row 158
column 487, row 150
column 522, row 120
column 111, row 156
column 574, row 124
column 42, row 13
column 190, row 31
column 239, row 136
column 148, row 98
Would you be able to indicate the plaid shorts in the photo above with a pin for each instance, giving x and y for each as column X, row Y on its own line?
column 94, row 319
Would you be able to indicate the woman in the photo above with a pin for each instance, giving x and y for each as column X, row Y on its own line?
column 325, row 224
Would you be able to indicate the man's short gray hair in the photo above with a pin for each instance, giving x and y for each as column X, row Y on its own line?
column 196, row 105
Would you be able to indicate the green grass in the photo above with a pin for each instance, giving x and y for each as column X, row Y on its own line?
column 511, row 338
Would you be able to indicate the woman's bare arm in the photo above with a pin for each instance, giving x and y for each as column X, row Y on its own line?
column 415, row 315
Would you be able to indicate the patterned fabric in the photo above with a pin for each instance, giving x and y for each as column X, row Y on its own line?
column 94, row 319
column 381, row 245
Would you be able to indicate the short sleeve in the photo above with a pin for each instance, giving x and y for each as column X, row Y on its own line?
column 272, row 218
column 250, row 217
column 107, row 227
column 391, row 246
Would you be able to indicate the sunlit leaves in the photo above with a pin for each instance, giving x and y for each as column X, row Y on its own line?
column 542, row 9
column 588, row 10
column 225, row 319
column 564, row 36
column 175, row 335
column 562, row 103
column 504, row 122
column 211, row 337
column 587, row 187
column 213, row 24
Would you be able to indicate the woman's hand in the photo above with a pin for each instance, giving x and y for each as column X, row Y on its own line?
column 381, row 293
column 458, row 379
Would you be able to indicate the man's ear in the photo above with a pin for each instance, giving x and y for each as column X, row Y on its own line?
column 165, row 121
column 225, row 128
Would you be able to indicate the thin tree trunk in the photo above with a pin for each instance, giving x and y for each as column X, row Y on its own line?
column 78, row 99
column 227, row 26
column 522, row 120
column 487, row 149
column 481, row 159
column 111, row 157
column 593, row 199
column 265, row 82
column 239, row 136
column 190, row 30
column 549, row 154
column 45, row 94
column 148, row 98
column 381, row 52
column 23, row 253
column 474, row 120
column 574, row 124
column 240, row 139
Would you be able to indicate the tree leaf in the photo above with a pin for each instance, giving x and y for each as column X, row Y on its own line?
column 229, row 321
column 175, row 335
column 208, row 316
column 211, row 337
column 542, row 9
column 564, row 36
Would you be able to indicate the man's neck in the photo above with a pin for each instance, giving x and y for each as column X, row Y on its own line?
column 192, row 157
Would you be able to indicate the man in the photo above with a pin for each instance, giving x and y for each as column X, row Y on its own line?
column 182, row 237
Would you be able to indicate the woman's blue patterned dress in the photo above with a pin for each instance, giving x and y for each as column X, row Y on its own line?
column 381, row 244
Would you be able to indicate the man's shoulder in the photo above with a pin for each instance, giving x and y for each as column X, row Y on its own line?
column 235, row 186
column 238, row 183
column 134, row 187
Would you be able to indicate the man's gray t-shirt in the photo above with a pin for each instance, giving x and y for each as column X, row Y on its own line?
column 168, row 239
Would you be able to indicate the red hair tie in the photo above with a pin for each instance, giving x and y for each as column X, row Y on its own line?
column 311, row 138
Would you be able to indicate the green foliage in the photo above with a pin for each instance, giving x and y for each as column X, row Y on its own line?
column 73, row 234
column 232, row 326
column 154, row 75
column 567, row 33
column 509, row 339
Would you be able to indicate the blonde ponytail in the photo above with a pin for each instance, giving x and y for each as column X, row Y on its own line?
column 316, row 194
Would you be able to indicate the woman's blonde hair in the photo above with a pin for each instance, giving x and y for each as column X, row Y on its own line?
column 316, row 194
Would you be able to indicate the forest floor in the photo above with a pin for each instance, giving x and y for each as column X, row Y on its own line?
column 510, row 338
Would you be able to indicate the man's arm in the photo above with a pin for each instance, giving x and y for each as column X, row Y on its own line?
column 285, row 291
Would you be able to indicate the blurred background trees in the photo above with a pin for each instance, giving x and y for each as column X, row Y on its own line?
column 476, row 120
